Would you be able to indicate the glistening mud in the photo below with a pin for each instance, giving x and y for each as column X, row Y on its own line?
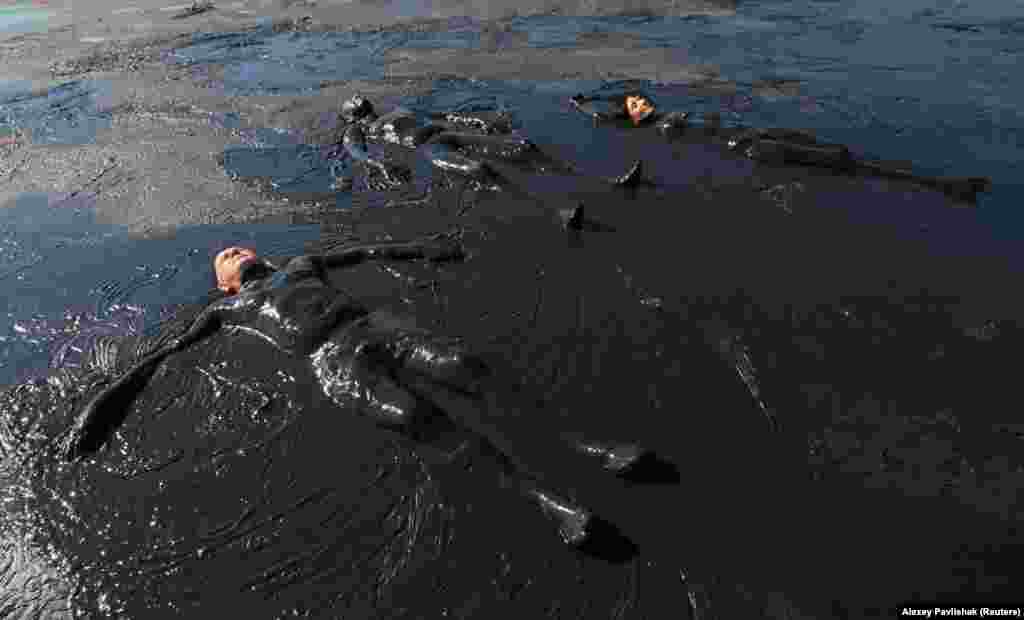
column 874, row 320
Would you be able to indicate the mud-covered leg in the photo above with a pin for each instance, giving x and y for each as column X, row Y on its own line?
column 441, row 359
column 514, row 427
column 571, row 518
column 486, row 122
column 446, row 157
column 445, row 360
column 448, row 361
column 359, row 368
column 615, row 456
column 354, row 375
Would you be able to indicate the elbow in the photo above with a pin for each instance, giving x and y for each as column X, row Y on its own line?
column 355, row 256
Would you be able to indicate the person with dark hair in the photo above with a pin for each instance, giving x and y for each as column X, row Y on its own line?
column 773, row 146
column 452, row 142
column 461, row 143
column 635, row 106
column 400, row 375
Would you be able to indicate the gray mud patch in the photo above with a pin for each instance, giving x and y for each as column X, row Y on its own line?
column 593, row 61
column 116, row 56
column 155, row 103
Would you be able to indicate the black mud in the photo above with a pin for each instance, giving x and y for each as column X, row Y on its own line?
column 824, row 358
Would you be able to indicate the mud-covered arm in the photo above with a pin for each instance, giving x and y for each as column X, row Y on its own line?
column 486, row 122
column 105, row 412
column 401, row 126
column 964, row 187
column 499, row 146
column 354, row 142
column 445, row 156
column 204, row 325
column 438, row 250
column 598, row 109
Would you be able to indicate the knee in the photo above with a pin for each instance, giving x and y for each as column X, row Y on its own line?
column 467, row 373
column 390, row 409
column 455, row 356
column 474, row 366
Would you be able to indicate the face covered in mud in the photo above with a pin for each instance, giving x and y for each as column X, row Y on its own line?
column 228, row 266
column 639, row 108
column 356, row 109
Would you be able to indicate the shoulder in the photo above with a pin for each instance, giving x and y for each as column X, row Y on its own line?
column 301, row 265
column 251, row 294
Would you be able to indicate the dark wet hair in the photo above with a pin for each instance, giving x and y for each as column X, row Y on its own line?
column 356, row 108
column 637, row 93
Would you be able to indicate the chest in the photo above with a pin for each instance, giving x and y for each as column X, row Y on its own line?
column 392, row 127
column 300, row 301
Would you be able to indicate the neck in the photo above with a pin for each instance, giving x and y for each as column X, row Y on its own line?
column 255, row 270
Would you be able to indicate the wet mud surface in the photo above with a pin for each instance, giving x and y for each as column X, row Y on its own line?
column 823, row 357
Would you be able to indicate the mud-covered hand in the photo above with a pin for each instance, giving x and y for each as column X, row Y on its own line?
column 108, row 409
column 105, row 412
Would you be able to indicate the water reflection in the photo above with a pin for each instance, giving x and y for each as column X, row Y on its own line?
column 70, row 281
column 62, row 113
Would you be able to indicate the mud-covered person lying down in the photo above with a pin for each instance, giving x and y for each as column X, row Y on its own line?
column 465, row 144
column 778, row 146
column 375, row 362
column 455, row 142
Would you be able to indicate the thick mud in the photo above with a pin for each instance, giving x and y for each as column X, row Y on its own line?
column 823, row 357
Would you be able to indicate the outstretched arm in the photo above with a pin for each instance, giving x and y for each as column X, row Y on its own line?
column 962, row 187
column 499, row 146
column 587, row 106
column 105, row 412
column 436, row 250
column 445, row 156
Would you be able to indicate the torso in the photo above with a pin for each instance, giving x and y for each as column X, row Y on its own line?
column 295, row 307
column 394, row 127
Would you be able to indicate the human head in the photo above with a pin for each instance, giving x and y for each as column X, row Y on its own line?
column 639, row 107
column 356, row 108
column 227, row 266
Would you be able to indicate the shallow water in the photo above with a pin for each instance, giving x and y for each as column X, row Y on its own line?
column 24, row 18
column 862, row 307
column 949, row 104
column 64, row 113
column 119, row 284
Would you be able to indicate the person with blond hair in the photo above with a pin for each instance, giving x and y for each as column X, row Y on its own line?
column 383, row 365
